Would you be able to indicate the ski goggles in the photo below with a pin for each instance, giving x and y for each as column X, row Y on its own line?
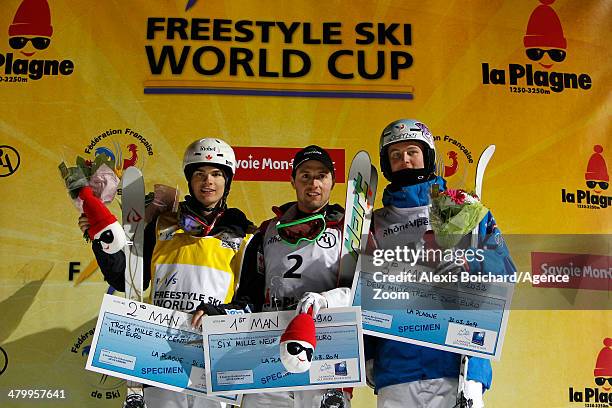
column 307, row 229
column 40, row 43
column 296, row 348
column 602, row 184
column 192, row 223
column 536, row 54
column 598, row 380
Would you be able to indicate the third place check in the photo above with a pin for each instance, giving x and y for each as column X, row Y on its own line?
column 412, row 304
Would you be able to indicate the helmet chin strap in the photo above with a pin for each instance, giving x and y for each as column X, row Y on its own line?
column 197, row 206
column 409, row 177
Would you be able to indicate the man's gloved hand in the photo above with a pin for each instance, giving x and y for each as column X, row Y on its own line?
column 207, row 309
column 313, row 299
column 84, row 227
column 84, row 223
column 454, row 266
column 369, row 368
column 449, row 268
column 473, row 392
column 204, row 309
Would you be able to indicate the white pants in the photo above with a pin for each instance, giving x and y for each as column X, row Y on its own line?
column 435, row 393
column 160, row 398
column 298, row 399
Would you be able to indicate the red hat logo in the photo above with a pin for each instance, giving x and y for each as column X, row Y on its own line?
column 104, row 226
column 544, row 36
column 597, row 172
column 31, row 29
column 603, row 366
column 298, row 342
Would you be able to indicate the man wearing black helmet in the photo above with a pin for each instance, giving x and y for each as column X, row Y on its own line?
column 407, row 375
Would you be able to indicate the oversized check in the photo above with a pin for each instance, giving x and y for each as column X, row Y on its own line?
column 407, row 303
column 150, row 345
column 243, row 356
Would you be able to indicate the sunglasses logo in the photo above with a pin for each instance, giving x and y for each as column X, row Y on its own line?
column 602, row 373
column 544, row 40
column 31, row 28
column 596, row 174
column 295, row 348
column 536, row 54
column 603, row 366
column 602, row 184
column 40, row 43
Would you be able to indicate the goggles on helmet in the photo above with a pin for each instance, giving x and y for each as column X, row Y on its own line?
column 193, row 223
column 307, row 229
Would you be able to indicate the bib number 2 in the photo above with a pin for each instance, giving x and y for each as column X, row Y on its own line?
column 292, row 272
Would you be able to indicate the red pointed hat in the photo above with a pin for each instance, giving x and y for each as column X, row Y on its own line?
column 544, row 28
column 301, row 328
column 603, row 367
column 98, row 215
column 596, row 168
column 33, row 17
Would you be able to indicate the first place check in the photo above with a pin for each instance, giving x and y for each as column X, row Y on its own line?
column 150, row 345
column 243, row 352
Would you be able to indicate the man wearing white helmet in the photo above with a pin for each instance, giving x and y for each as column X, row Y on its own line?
column 194, row 256
column 407, row 375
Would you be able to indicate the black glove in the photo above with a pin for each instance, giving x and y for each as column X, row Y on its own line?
column 226, row 308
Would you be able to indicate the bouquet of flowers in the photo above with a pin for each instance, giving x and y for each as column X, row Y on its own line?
column 98, row 175
column 453, row 214
column 103, row 177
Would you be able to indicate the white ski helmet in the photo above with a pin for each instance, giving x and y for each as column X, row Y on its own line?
column 213, row 152
column 403, row 130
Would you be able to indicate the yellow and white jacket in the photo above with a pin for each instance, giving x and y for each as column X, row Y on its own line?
column 185, row 270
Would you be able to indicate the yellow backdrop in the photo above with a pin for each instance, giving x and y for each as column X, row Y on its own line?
column 455, row 63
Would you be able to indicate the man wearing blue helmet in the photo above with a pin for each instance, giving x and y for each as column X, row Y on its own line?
column 407, row 375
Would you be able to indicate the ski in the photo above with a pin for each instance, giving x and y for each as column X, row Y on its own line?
column 483, row 162
column 371, row 198
column 360, row 195
column 133, row 214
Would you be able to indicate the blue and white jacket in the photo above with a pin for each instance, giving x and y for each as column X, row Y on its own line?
column 397, row 362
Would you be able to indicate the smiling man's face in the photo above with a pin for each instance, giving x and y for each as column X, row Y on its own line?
column 313, row 184
column 208, row 185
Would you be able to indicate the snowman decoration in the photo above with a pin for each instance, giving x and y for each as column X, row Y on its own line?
column 89, row 194
column 298, row 342
column 104, row 226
